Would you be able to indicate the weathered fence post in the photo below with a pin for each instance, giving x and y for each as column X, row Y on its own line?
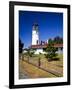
column 39, row 63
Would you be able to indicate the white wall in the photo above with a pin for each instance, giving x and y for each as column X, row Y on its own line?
column 34, row 37
column 4, row 44
column 39, row 51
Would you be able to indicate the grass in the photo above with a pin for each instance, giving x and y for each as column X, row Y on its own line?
column 34, row 72
column 55, row 66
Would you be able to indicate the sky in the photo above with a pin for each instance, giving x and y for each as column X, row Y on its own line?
column 50, row 25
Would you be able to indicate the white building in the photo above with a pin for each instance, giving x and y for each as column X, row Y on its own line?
column 35, row 38
column 36, row 44
column 35, row 34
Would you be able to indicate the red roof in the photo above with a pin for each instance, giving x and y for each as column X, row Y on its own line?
column 58, row 45
column 44, row 46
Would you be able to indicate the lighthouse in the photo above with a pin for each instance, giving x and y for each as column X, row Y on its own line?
column 35, row 34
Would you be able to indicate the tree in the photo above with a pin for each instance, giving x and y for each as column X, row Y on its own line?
column 30, row 53
column 50, row 50
column 20, row 48
column 50, row 41
column 58, row 40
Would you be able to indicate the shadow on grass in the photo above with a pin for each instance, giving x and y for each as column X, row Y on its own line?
column 54, row 59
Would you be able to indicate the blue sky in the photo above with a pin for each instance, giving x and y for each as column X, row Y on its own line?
column 50, row 25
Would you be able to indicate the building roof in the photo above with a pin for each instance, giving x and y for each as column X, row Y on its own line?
column 44, row 46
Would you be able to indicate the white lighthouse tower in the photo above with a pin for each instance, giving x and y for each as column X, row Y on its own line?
column 35, row 34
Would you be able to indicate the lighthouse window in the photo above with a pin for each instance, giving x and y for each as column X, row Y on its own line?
column 37, row 41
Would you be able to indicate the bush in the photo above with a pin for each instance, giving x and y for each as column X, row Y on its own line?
column 50, row 51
